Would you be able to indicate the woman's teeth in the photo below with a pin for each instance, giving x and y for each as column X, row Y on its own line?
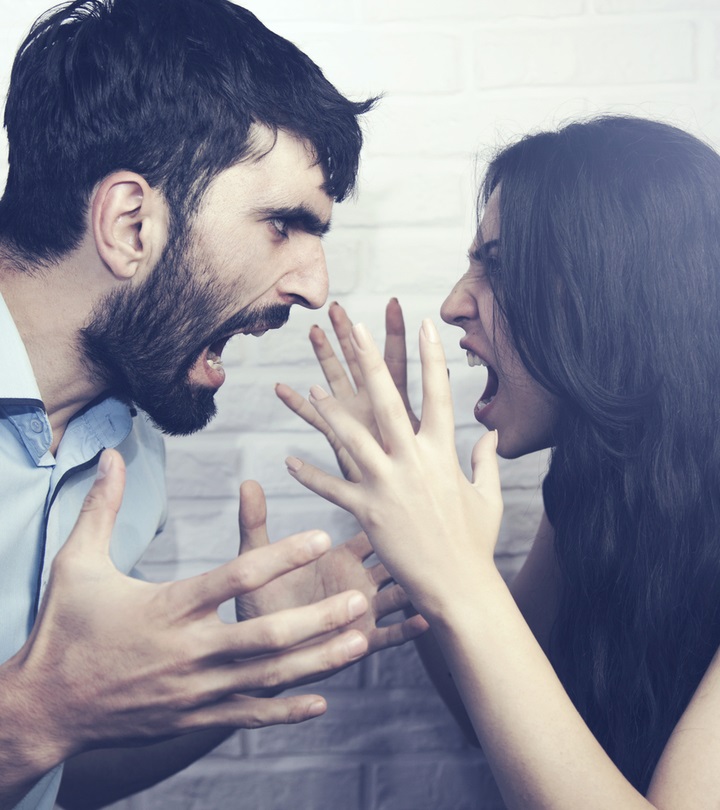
column 474, row 360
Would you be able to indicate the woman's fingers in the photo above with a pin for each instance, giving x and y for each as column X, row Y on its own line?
column 486, row 476
column 388, row 407
column 299, row 405
column 339, row 492
column 485, row 470
column 437, row 411
column 332, row 368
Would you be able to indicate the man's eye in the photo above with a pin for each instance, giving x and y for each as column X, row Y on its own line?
column 280, row 225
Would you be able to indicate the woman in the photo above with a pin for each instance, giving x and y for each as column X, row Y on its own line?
column 593, row 297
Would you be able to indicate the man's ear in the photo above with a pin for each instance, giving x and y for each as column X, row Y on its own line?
column 129, row 222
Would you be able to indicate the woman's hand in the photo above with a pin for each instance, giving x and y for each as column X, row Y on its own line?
column 433, row 529
column 350, row 389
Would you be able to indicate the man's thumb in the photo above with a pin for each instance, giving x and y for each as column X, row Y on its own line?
column 99, row 510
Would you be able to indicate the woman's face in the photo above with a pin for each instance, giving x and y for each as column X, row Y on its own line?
column 513, row 403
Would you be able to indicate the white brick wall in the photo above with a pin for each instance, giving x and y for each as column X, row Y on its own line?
column 459, row 76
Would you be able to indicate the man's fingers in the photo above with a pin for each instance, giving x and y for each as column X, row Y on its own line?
column 94, row 525
column 395, row 345
column 284, row 629
column 380, row 575
column 332, row 368
column 389, row 600
column 252, row 517
column 342, row 325
column 398, row 633
column 359, row 545
column 294, row 666
column 243, row 711
column 252, row 570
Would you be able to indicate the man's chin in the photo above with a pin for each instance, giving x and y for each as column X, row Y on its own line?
column 181, row 414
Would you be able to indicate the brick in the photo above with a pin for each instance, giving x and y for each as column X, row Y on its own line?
column 423, row 783
column 439, row 258
column 300, row 783
column 412, row 11
column 280, row 11
column 363, row 63
column 652, row 6
column 469, row 125
column 202, row 466
column 599, row 55
column 370, row 722
column 393, row 193
column 399, row 667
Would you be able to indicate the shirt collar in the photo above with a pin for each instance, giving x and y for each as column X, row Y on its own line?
column 17, row 379
column 105, row 422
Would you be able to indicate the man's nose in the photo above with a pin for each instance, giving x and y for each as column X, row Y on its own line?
column 307, row 283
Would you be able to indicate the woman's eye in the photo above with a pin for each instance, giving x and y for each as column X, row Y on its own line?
column 491, row 265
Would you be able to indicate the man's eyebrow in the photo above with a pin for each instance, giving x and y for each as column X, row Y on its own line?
column 298, row 217
column 480, row 252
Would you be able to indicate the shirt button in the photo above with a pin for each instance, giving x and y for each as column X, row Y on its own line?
column 36, row 425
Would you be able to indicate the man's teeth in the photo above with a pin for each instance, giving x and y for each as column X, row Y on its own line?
column 474, row 360
column 214, row 361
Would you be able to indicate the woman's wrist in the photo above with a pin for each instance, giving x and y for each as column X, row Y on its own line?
column 475, row 593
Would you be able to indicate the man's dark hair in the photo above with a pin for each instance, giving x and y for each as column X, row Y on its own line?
column 166, row 88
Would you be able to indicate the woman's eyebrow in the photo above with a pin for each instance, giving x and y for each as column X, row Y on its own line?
column 480, row 252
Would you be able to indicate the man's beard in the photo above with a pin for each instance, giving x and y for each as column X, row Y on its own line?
column 143, row 341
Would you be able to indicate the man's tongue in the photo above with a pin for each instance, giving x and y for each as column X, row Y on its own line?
column 208, row 368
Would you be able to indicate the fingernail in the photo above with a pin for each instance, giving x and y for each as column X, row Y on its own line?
column 293, row 464
column 496, row 438
column 430, row 331
column 318, row 542
column 356, row 645
column 104, row 465
column 316, row 708
column 361, row 335
column 357, row 605
column 317, row 392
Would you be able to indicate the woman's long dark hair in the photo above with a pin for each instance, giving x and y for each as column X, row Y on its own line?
column 610, row 290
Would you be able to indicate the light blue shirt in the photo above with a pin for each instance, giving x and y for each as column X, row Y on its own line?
column 41, row 496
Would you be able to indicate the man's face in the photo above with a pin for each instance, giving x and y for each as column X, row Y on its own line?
column 254, row 250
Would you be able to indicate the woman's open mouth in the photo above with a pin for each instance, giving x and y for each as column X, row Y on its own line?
column 491, row 386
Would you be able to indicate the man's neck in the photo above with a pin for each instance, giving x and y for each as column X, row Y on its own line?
column 49, row 309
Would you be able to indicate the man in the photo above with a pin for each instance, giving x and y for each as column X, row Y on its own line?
column 173, row 166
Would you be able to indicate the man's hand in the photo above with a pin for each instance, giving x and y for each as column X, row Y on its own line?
column 350, row 390
column 338, row 570
column 115, row 661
